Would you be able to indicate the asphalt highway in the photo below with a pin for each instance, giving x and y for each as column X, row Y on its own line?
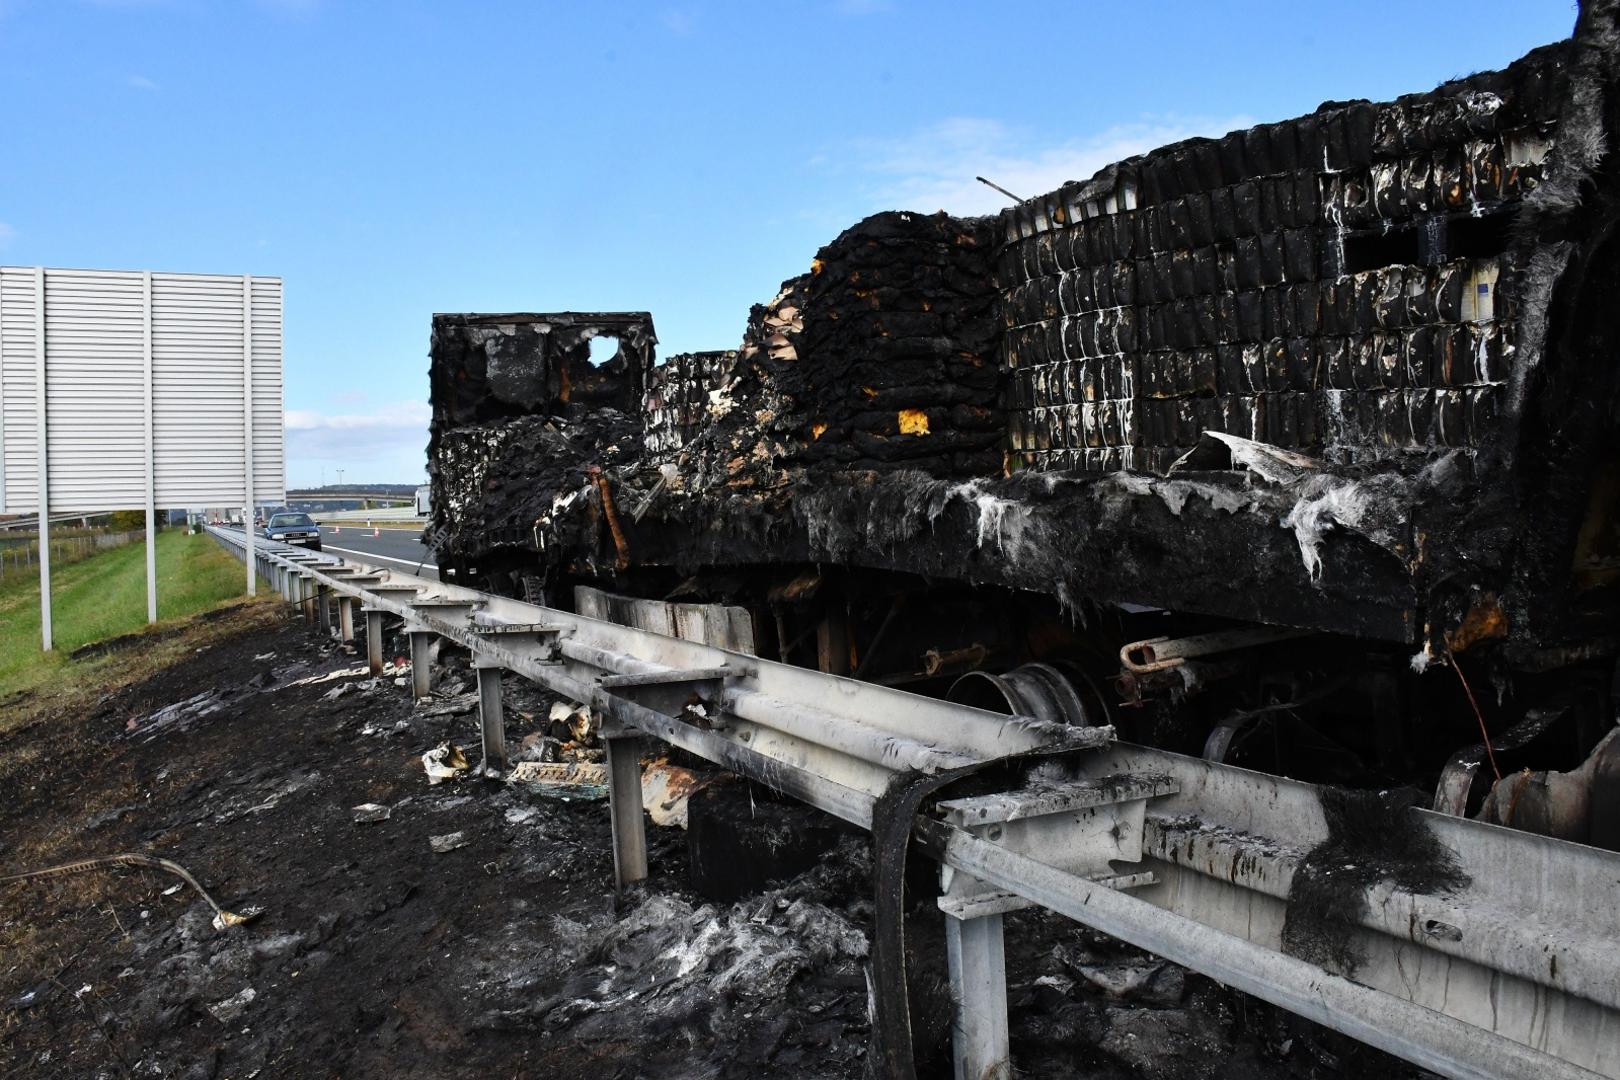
column 400, row 549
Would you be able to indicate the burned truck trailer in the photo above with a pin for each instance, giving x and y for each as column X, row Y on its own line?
column 1295, row 447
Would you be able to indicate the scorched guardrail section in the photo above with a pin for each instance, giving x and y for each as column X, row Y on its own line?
column 1515, row 972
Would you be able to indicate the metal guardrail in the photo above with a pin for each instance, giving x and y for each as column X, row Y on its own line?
column 1513, row 972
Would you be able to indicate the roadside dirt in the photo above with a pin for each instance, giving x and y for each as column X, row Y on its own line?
column 506, row 956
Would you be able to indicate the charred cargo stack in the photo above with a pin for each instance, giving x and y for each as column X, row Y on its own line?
column 524, row 408
column 491, row 367
column 1375, row 341
column 1345, row 284
column 885, row 353
column 680, row 392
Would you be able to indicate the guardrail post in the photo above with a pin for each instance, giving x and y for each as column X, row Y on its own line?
column 345, row 618
column 323, row 608
column 421, row 665
column 491, row 719
column 374, row 641
column 624, row 807
column 306, row 592
column 978, row 964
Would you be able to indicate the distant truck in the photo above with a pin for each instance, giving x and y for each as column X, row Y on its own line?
column 424, row 502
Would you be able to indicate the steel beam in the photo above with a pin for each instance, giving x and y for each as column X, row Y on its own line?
column 151, row 448
column 374, row 641
column 421, row 664
column 345, row 606
column 977, row 960
column 248, row 514
column 624, row 805
column 491, row 718
column 42, row 462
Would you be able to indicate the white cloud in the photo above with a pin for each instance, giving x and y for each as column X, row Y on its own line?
column 679, row 21
column 934, row 169
column 141, row 82
column 397, row 415
column 7, row 235
column 387, row 443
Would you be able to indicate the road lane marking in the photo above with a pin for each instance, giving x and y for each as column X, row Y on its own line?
column 384, row 558
column 339, row 525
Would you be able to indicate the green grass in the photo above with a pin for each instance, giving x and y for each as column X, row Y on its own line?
column 105, row 596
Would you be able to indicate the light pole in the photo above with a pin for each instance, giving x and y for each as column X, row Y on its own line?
column 340, row 479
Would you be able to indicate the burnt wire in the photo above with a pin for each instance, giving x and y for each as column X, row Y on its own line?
column 1483, row 733
column 222, row 918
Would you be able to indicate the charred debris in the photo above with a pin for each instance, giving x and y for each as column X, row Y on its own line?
column 1333, row 396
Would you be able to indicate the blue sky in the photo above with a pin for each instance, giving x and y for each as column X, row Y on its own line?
column 390, row 160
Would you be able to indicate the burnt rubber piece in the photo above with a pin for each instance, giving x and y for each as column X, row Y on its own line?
column 892, row 816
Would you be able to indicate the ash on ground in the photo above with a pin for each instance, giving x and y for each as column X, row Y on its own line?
column 472, row 929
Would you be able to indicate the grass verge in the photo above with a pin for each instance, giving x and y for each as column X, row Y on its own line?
column 101, row 598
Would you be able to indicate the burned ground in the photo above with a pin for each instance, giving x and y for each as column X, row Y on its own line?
column 507, row 955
